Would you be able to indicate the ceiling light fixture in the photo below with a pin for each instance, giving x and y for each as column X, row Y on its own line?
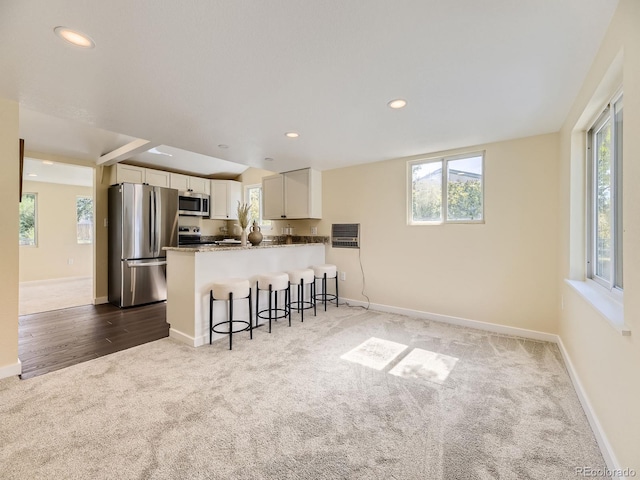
column 155, row 151
column 268, row 159
column 222, row 145
column 292, row 134
column 397, row 103
column 47, row 162
column 31, row 175
column 74, row 37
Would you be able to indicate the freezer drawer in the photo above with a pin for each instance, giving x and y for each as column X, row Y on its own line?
column 142, row 281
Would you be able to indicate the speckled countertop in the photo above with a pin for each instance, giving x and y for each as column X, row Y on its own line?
column 268, row 242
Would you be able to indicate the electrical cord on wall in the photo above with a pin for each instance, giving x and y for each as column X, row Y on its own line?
column 363, row 281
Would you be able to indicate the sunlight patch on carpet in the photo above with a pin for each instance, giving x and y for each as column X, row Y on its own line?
column 374, row 353
column 426, row 365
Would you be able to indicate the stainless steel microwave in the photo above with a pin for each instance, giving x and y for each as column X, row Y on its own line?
column 193, row 204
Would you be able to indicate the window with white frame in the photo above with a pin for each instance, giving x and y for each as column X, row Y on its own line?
column 84, row 219
column 604, row 197
column 28, row 220
column 253, row 196
column 446, row 189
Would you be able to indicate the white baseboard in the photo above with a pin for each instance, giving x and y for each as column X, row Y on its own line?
column 463, row 322
column 11, row 370
column 601, row 438
column 182, row 337
column 100, row 300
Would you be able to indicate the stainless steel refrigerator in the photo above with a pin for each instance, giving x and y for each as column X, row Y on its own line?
column 142, row 220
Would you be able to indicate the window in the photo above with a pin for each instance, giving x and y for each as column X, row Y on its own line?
column 604, row 261
column 28, row 223
column 447, row 190
column 84, row 219
column 253, row 194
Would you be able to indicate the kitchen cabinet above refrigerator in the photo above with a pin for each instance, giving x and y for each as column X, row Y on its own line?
column 292, row 195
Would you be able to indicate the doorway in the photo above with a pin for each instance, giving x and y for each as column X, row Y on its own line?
column 56, row 236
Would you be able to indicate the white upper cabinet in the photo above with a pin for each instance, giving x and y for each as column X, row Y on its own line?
column 200, row 185
column 293, row 195
column 225, row 195
column 127, row 173
column 179, row 181
column 157, row 178
column 187, row 183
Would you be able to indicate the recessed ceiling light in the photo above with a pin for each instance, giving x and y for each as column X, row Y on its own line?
column 47, row 162
column 74, row 38
column 222, row 145
column 292, row 134
column 31, row 175
column 397, row 103
column 268, row 159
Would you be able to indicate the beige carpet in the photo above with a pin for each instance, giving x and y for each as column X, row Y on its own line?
column 55, row 294
column 349, row 394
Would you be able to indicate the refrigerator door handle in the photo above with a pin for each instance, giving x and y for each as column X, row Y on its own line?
column 157, row 207
column 152, row 221
column 134, row 264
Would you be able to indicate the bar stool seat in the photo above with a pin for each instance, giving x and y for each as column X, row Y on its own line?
column 322, row 273
column 273, row 283
column 229, row 290
column 300, row 278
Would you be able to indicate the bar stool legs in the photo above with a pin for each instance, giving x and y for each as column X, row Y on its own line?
column 230, row 290
column 273, row 283
column 322, row 273
column 300, row 279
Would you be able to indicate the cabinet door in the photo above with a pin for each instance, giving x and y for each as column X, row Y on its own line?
column 273, row 197
column 199, row 185
column 179, row 181
column 234, row 195
column 296, row 194
column 129, row 174
column 157, row 178
column 218, row 207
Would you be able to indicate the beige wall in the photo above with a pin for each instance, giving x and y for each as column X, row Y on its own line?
column 606, row 362
column 9, row 199
column 56, row 235
column 499, row 272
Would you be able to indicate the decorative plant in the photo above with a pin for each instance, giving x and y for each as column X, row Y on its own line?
column 243, row 215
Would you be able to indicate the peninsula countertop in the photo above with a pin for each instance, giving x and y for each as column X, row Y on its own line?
column 222, row 248
column 191, row 271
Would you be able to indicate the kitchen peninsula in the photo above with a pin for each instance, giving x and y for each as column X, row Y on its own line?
column 192, row 270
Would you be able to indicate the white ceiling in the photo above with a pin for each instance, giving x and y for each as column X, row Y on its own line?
column 194, row 75
column 35, row 170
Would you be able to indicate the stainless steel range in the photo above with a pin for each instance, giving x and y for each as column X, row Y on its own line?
column 188, row 235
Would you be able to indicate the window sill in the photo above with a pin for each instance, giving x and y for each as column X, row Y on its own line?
column 606, row 304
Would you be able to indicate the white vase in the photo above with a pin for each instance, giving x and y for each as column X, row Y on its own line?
column 243, row 238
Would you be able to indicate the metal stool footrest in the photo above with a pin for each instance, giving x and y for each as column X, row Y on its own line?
column 246, row 327
column 298, row 305
column 277, row 313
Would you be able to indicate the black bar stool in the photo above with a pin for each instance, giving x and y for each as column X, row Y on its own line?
column 229, row 290
column 302, row 278
column 273, row 283
column 324, row 272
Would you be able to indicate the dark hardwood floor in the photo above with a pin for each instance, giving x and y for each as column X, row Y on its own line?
column 53, row 340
